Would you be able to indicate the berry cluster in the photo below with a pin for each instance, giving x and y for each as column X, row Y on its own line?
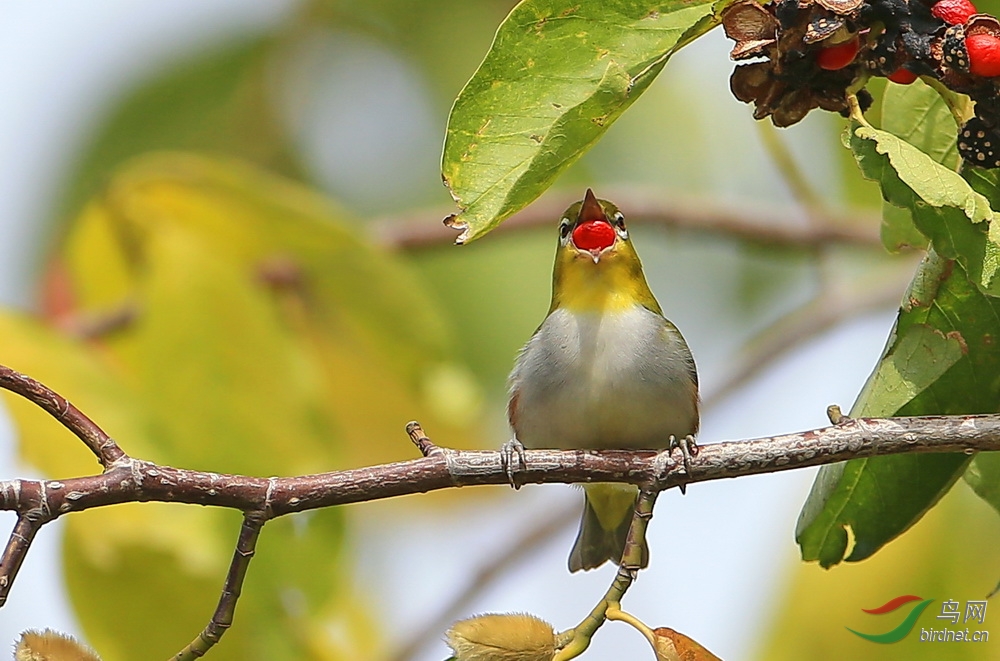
column 810, row 52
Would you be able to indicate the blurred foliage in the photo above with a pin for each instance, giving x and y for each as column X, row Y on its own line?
column 216, row 102
column 251, row 331
column 949, row 554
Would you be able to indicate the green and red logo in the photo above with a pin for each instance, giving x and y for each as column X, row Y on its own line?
column 903, row 628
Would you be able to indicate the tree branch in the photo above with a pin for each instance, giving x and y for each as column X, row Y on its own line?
column 222, row 619
column 133, row 480
column 15, row 552
column 105, row 449
column 760, row 226
column 127, row 479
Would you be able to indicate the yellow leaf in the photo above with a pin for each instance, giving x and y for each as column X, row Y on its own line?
column 80, row 375
column 258, row 294
column 674, row 646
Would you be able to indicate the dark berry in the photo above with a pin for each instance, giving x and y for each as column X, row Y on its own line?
column 953, row 50
column 978, row 144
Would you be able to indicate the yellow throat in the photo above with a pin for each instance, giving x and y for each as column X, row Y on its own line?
column 598, row 280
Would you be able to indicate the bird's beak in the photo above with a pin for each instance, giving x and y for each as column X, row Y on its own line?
column 591, row 211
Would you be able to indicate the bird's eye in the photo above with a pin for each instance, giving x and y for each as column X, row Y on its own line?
column 619, row 220
column 564, row 226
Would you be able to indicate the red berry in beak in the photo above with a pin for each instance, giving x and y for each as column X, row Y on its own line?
column 594, row 235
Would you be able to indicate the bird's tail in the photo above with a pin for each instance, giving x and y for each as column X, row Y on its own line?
column 607, row 516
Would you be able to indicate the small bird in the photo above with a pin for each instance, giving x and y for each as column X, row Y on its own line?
column 605, row 370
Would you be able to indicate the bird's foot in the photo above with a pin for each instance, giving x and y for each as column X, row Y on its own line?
column 511, row 449
column 688, row 449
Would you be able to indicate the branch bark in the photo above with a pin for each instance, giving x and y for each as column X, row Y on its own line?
column 133, row 480
column 126, row 479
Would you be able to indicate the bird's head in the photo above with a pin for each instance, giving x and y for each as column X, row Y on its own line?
column 591, row 230
column 596, row 265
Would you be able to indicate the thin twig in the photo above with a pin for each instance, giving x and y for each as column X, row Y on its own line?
column 575, row 641
column 759, row 226
column 419, row 438
column 222, row 619
column 15, row 552
column 523, row 546
column 105, row 449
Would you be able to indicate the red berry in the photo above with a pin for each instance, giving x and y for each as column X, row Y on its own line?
column 594, row 235
column 953, row 12
column 836, row 57
column 902, row 76
column 984, row 54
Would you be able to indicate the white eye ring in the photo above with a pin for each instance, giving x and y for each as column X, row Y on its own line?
column 620, row 225
column 564, row 226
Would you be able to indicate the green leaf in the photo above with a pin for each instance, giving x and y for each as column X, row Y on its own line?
column 345, row 324
column 983, row 475
column 898, row 231
column 944, row 207
column 920, row 117
column 212, row 329
column 218, row 101
column 176, row 553
column 910, row 366
column 554, row 80
column 853, row 494
column 941, row 359
column 930, row 181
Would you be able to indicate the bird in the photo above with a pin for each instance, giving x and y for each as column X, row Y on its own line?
column 604, row 370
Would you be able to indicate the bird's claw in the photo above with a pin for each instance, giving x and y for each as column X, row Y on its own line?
column 688, row 449
column 508, row 451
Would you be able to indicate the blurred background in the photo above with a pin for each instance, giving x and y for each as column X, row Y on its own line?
column 351, row 100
